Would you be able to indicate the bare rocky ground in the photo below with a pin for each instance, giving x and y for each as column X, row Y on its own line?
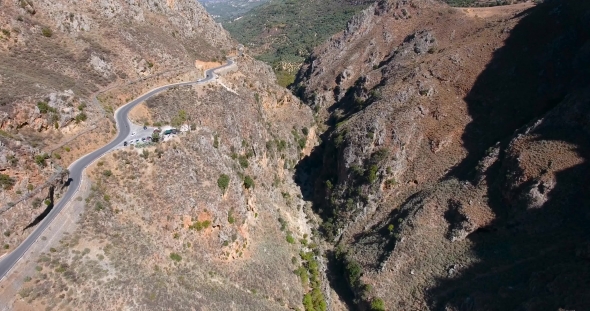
column 455, row 149
column 55, row 58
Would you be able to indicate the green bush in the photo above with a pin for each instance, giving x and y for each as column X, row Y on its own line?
column 377, row 305
column 44, row 107
column 353, row 272
column 390, row 228
column 248, row 182
column 47, row 32
column 243, row 161
column 155, row 137
column 216, row 141
column 284, row 78
column 290, row 239
column 40, row 159
column 372, row 174
column 223, row 182
column 175, row 257
column 281, row 145
column 301, row 142
column 230, row 217
column 81, row 117
column 107, row 173
column 6, row 182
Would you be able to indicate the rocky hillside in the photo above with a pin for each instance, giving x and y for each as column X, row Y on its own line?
column 56, row 57
column 453, row 165
column 210, row 219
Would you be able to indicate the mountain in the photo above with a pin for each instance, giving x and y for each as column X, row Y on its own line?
column 435, row 158
column 451, row 173
column 56, row 58
column 208, row 219
column 283, row 32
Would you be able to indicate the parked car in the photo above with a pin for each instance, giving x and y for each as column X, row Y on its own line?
column 143, row 139
column 124, row 143
column 133, row 134
column 145, row 127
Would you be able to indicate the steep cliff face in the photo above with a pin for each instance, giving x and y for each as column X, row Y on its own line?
column 450, row 174
column 56, row 57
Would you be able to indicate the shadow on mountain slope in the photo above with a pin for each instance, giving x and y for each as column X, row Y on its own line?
column 537, row 257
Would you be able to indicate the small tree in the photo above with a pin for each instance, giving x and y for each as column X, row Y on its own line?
column 290, row 239
column 175, row 257
column 47, row 32
column 243, row 161
column 81, row 117
column 377, row 305
column 248, row 182
column 40, row 159
column 372, row 174
column 223, row 182
column 155, row 137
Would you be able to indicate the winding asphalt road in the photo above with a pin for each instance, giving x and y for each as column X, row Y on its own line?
column 77, row 168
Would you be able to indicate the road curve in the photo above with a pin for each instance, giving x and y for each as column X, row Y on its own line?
column 77, row 168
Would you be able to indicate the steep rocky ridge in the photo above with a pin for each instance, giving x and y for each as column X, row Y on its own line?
column 56, row 56
column 450, row 174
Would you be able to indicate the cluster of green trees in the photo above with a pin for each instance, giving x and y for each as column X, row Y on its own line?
column 309, row 273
